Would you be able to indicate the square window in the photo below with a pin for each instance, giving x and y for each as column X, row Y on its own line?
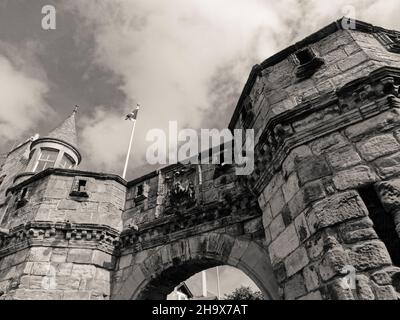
column 79, row 188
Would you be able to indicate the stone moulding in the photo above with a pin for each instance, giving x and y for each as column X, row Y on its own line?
column 60, row 234
column 66, row 173
column 354, row 102
column 199, row 220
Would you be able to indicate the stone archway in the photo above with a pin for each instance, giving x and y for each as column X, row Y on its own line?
column 153, row 273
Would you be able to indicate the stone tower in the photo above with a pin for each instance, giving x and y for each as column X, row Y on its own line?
column 319, row 218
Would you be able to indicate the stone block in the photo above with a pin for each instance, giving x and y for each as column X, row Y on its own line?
column 40, row 254
column 277, row 203
column 40, row 268
column 385, row 292
column 354, row 178
column 285, row 244
column 388, row 166
column 67, row 204
column 273, row 186
column 276, row 227
column 312, row 168
column 83, row 271
column 290, row 187
column 63, row 269
column 357, row 231
column 295, row 156
column 309, row 193
column 125, row 261
column 267, row 216
column 378, row 147
column 103, row 259
column 328, row 144
column 340, row 290
column 80, row 256
column 354, row 60
column 294, row 288
column 333, row 263
column 66, row 283
column 343, row 158
column 103, row 274
column 311, row 278
column 238, row 249
column 369, row 255
column 296, row 261
column 302, row 227
column 59, row 255
column 335, row 209
column 364, row 291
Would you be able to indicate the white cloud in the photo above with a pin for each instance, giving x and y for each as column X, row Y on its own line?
column 170, row 53
column 22, row 98
column 105, row 138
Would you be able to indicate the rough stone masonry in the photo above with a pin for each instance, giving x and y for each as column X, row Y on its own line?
column 324, row 197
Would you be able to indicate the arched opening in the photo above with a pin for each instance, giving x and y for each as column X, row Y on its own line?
column 218, row 283
column 154, row 274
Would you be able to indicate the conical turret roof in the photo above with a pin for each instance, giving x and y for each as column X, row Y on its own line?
column 66, row 131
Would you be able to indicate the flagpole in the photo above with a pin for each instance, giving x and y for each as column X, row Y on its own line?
column 204, row 282
column 218, row 288
column 129, row 150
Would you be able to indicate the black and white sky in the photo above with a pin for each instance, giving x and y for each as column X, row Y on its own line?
column 184, row 60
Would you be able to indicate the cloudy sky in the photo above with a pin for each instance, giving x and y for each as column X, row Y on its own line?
column 184, row 60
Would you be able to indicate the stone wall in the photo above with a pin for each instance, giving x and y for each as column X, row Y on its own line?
column 13, row 164
column 55, row 273
column 315, row 221
column 61, row 245
column 50, row 199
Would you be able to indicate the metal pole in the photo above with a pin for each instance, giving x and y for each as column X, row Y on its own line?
column 218, row 288
column 204, row 283
column 129, row 150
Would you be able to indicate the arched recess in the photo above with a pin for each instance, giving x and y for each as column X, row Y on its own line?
column 153, row 274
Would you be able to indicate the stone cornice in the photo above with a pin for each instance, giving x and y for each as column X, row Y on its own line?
column 67, row 173
column 205, row 219
column 101, row 237
column 354, row 102
column 69, row 235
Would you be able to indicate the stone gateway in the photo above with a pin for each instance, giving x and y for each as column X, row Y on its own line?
column 324, row 197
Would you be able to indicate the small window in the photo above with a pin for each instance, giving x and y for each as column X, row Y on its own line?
column 304, row 56
column 307, row 63
column 47, row 159
column 79, row 188
column 141, row 194
column 67, row 162
column 139, row 190
column 22, row 198
column 82, row 185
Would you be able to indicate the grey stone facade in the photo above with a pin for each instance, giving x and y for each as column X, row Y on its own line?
column 326, row 114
